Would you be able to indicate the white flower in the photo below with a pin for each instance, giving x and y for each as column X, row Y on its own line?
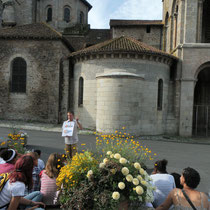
column 135, row 181
column 125, row 171
column 89, row 174
column 105, row 160
column 115, row 195
column 101, row 165
column 141, row 171
column 111, row 156
column 121, row 185
column 109, row 153
column 144, row 183
column 139, row 177
column 139, row 190
column 129, row 178
column 123, row 161
column 117, row 156
column 137, row 165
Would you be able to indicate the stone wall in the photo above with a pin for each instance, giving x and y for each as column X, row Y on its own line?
column 154, row 38
column 58, row 12
column 100, row 103
column 41, row 100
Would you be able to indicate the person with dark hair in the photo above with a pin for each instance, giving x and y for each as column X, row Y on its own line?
column 69, row 132
column 163, row 182
column 190, row 179
column 41, row 164
column 177, row 180
column 13, row 192
column 10, row 157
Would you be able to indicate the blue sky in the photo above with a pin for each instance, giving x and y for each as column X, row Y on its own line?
column 104, row 10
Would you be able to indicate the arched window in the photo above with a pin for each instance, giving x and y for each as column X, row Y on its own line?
column 66, row 14
column 160, row 94
column 81, row 87
column 81, row 18
column 18, row 77
column 49, row 14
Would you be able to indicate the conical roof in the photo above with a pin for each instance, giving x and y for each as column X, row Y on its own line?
column 121, row 44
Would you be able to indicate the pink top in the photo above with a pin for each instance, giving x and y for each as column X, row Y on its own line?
column 6, row 168
column 48, row 189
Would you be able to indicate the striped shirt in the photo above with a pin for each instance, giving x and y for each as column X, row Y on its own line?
column 48, row 189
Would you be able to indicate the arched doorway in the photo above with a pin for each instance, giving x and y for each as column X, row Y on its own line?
column 201, row 115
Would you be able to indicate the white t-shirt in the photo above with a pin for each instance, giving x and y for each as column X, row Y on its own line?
column 164, row 184
column 11, row 190
column 72, row 139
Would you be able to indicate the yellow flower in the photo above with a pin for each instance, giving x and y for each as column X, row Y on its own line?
column 137, row 165
column 129, row 178
column 123, row 161
column 121, row 185
column 125, row 171
column 111, row 156
column 3, row 143
column 115, row 195
column 135, row 181
column 139, row 190
column 83, row 144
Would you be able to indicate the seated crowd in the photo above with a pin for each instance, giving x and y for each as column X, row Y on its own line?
column 31, row 185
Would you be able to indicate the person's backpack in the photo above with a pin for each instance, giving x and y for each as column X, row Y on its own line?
column 3, row 180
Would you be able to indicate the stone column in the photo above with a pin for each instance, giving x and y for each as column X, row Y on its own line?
column 191, row 8
column 186, row 107
column 200, row 21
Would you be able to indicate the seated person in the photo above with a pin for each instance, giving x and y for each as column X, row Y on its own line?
column 41, row 164
column 48, row 178
column 177, row 180
column 189, row 180
column 163, row 181
column 12, row 194
column 10, row 157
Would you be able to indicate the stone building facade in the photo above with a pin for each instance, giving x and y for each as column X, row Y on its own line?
column 102, row 86
column 37, row 94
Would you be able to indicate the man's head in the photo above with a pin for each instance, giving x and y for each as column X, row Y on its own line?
column 70, row 115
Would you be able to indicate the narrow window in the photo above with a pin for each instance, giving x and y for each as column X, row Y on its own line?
column 66, row 16
column 148, row 29
column 18, row 77
column 81, row 18
column 81, row 86
column 160, row 94
column 49, row 14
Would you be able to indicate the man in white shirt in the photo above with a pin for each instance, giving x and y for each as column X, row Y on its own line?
column 70, row 133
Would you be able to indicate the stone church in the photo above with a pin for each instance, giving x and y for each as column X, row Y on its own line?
column 151, row 76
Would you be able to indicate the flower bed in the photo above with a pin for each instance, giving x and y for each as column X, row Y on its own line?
column 106, row 180
column 16, row 141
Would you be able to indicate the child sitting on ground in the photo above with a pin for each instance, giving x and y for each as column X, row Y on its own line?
column 41, row 164
column 48, row 178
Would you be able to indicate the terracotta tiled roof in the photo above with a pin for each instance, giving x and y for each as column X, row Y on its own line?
column 134, row 22
column 121, row 44
column 30, row 31
column 94, row 36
